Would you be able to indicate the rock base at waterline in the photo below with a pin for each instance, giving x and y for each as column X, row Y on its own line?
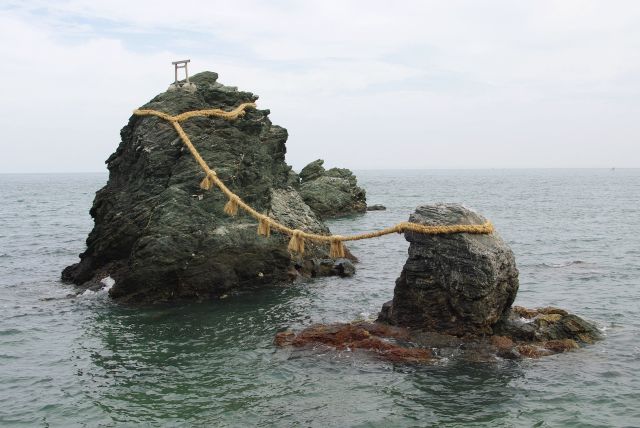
column 381, row 340
column 542, row 332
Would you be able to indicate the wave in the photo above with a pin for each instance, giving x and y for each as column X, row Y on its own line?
column 107, row 284
column 562, row 264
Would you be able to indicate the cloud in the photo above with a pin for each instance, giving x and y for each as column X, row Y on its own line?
column 437, row 84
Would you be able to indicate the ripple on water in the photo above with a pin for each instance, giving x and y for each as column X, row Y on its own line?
column 84, row 360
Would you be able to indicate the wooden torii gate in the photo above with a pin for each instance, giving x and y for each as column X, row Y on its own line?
column 187, row 85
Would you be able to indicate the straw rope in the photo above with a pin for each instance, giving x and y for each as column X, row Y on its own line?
column 266, row 223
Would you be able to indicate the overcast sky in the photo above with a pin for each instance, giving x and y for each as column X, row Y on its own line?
column 362, row 84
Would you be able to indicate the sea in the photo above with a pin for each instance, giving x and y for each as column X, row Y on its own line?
column 69, row 360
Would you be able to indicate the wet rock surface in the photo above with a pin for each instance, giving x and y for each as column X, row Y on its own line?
column 381, row 340
column 161, row 237
column 555, row 335
column 546, row 325
column 454, row 300
column 458, row 283
column 376, row 207
column 331, row 193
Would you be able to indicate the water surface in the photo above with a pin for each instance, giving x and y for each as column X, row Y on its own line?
column 85, row 361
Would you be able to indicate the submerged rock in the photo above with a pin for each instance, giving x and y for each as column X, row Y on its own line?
column 459, row 283
column 552, row 325
column 331, row 193
column 386, row 342
column 376, row 207
column 406, row 345
column 161, row 237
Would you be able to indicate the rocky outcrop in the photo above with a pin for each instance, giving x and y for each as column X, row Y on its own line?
column 458, row 283
column 453, row 300
column 405, row 345
column 545, row 325
column 331, row 193
column 161, row 237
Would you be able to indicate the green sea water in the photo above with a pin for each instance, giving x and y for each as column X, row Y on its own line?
column 85, row 361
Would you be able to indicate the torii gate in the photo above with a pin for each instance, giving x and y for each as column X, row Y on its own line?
column 176, row 84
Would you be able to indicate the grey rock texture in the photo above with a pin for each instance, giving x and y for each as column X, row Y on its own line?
column 331, row 193
column 456, row 284
column 546, row 324
column 161, row 237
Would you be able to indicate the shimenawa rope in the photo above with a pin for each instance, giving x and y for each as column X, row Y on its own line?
column 266, row 223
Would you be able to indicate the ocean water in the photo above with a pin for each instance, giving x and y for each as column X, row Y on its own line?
column 85, row 361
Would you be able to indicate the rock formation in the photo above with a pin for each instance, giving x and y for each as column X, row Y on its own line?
column 453, row 299
column 331, row 193
column 161, row 237
column 458, row 283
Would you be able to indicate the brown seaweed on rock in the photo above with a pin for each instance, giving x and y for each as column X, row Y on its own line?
column 454, row 299
column 404, row 345
column 380, row 339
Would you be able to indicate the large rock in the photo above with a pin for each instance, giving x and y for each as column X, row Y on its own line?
column 452, row 301
column 457, row 284
column 331, row 193
column 161, row 237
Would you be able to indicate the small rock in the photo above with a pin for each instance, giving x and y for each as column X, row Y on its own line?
column 376, row 207
column 532, row 351
column 562, row 345
column 344, row 268
column 331, row 193
column 566, row 327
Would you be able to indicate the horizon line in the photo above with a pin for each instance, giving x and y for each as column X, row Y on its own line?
column 378, row 169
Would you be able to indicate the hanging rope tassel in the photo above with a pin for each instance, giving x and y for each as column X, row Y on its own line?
column 296, row 244
column 231, row 207
column 337, row 248
column 264, row 226
column 207, row 181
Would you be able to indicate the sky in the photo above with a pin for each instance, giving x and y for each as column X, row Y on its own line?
column 362, row 84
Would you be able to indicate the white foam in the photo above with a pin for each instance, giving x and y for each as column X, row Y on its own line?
column 107, row 283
